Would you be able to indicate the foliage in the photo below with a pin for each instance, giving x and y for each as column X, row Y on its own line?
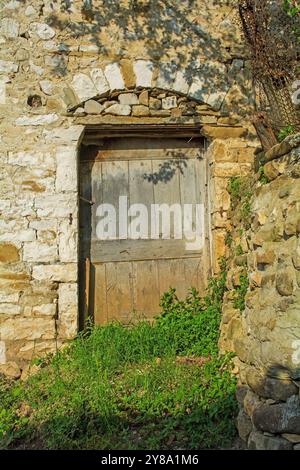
column 286, row 131
column 240, row 292
column 291, row 7
column 125, row 388
column 261, row 175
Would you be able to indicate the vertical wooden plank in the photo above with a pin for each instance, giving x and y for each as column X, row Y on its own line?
column 146, row 291
column 119, row 291
column 166, row 186
column 99, row 295
column 140, row 187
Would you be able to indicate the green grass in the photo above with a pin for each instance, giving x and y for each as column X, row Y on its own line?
column 126, row 388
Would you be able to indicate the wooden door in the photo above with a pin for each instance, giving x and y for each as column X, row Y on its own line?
column 130, row 271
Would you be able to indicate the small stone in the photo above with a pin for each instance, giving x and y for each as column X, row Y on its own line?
column 21, row 55
column 154, row 103
column 93, row 107
column 294, row 438
column 11, row 370
column 128, row 98
column 259, row 441
column 297, row 447
column 285, row 283
column 140, row 110
column 176, row 112
column 7, row 66
column 79, row 112
column 42, row 30
column 30, row 11
column 244, row 425
column 46, row 86
column 144, row 98
column 36, row 69
column 118, row 110
column 169, row 102
column 9, row 28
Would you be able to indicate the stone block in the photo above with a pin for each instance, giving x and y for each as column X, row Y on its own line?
column 93, row 107
column 127, row 73
column 128, row 98
column 118, row 109
column 143, row 70
column 25, row 328
column 279, row 418
column 83, row 87
column 244, row 425
column 114, row 77
column 140, row 110
column 66, row 173
column 68, row 242
column 11, row 370
column 9, row 28
column 57, row 272
column 67, row 310
column 40, row 252
column 100, row 81
column 8, row 253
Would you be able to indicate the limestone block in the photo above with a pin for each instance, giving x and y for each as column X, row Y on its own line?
column 40, row 252
column 66, row 173
column 285, row 282
column 169, row 102
column 93, row 107
column 32, row 158
column 128, row 98
column 83, row 87
column 2, row 352
column 57, row 272
column 143, row 70
column 56, row 205
column 154, row 103
column 144, row 98
column 100, row 81
column 11, row 370
column 44, row 309
column 64, row 136
column 30, row 11
column 7, row 66
column 3, row 82
column 67, row 310
column 268, row 387
column 128, row 73
column 9, row 28
column 180, row 84
column 8, row 253
column 118, row 110
column 40, row 120
column 140, row 110
column 68, row 242
column 10, row 309
column 20, row 328
column 166, row 76
column 36, row 68
column 9, row 298
column 46, row 86
column 114, row 77
column 41, row 30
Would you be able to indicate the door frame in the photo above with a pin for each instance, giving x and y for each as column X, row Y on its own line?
column 96, row 132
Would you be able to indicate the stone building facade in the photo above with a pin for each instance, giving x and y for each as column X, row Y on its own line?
column 64, row 68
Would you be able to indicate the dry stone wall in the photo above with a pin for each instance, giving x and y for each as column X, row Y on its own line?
column 264, row 329
column 63, row 67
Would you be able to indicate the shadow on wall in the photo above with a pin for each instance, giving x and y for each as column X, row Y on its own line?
column 201, row 40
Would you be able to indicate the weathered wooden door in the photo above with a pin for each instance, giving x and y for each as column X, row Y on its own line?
column 138, row 262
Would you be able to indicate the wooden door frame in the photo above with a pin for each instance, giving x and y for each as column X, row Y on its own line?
column 94, row 132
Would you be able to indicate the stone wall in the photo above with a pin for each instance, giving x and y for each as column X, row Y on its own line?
column 265, row 334
column 63, row 67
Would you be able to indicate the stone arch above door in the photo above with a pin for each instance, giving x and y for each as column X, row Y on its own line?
column 206, row 82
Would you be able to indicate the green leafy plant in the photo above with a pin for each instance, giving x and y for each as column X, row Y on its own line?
column 240, row 292
column 261, row 175
column 285, row 132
